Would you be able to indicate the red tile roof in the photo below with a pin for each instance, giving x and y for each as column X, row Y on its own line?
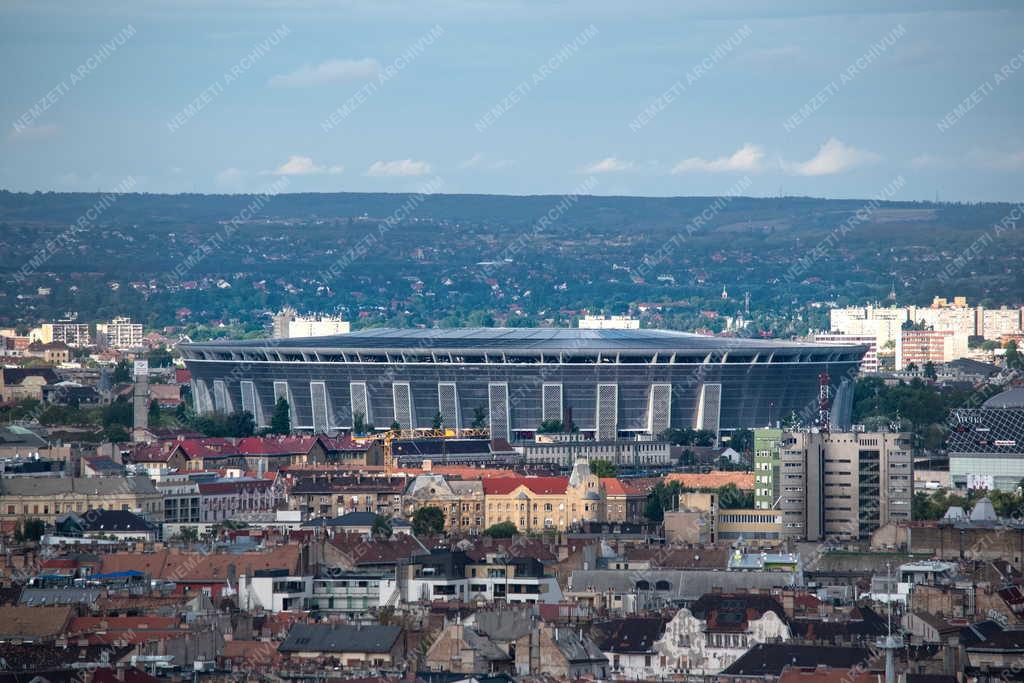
column 713, row 480
column 617, row 487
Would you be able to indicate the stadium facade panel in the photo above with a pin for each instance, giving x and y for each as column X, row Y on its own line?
column 609, row 382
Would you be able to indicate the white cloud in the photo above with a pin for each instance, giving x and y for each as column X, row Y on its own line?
column 300, row 165
column 833, row 157
column 926, row 161
column 996, row 161
column 331, row 71
column 746, row 159
column 608, row 165
column 34, row 133
column 400, row 167
column 473, row 161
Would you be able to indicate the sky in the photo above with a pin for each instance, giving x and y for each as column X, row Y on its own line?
column 648, row 98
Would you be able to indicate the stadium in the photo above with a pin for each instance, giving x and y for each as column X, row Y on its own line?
column 608, row 383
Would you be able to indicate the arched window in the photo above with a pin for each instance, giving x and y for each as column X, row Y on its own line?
column 643, row 585
column 662, row 586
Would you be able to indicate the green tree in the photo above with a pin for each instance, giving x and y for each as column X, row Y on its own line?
column 115, row 433
column 704, row 437
column 188, row 534
column 154, row 413
column 653, row 509
column 438, row 420
column 381, row 527
column 929, row 371
column 603, row 468
column 239, row 424
column 502, row 530
column 428, row 521
column 281, row 421
column 730, row 497
column 550, row 427
column 479, row 418
column 1014, row 359
column 29, row 529
column 358, row 424
column 742, row 440
column 122, row 373
column 395, row 427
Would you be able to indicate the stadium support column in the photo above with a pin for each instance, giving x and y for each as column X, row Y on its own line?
column 709, row 408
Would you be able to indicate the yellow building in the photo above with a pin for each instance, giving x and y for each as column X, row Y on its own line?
column 536, row 504
column 462, row 502
column 47, row 497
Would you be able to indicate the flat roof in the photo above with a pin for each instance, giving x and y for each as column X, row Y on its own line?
column 534, row 339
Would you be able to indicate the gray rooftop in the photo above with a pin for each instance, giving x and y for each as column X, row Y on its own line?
column 523, row 339
column 683, row 584
column 95, row 486
column 340, row 638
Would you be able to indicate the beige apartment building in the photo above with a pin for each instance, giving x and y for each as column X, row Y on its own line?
column 843, row 485
column 47, row 497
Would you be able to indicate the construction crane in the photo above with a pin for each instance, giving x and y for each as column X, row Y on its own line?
column 387, row 439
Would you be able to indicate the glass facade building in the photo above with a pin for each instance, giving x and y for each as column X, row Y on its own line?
column 608, row 382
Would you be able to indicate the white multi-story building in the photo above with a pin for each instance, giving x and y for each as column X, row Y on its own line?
column 613, row 322
column 120, row 333
column 886, row 324
column 995, row 322
column 870, row 362
column 68, row 332
column 289, row 324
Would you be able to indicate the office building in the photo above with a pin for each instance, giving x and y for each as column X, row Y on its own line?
column 986, row 444
column 843, row 485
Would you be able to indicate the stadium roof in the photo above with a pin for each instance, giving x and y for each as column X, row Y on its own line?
column 524, row 339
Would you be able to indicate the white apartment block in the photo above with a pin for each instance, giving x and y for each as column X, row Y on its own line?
column 995, row 322
column 957, row 317
column 120, row 333
column 870, row 362
column 317, row 327
column 70, row 333
column 288, row 325
column 614, row 322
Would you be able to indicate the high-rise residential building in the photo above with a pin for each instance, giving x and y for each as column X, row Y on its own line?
column 766, row 467
column 942, row 315
column 120, row 333
column 882, row 323
column 929, row 346
column 993, row 323
column 613, row 322
column 288, row 325
column 843, row 485
column 65, row 331
column 870, row 362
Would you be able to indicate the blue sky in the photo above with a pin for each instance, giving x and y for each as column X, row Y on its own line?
column 96, row 92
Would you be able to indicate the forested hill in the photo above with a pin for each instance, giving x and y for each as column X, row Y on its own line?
column 457, row 259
